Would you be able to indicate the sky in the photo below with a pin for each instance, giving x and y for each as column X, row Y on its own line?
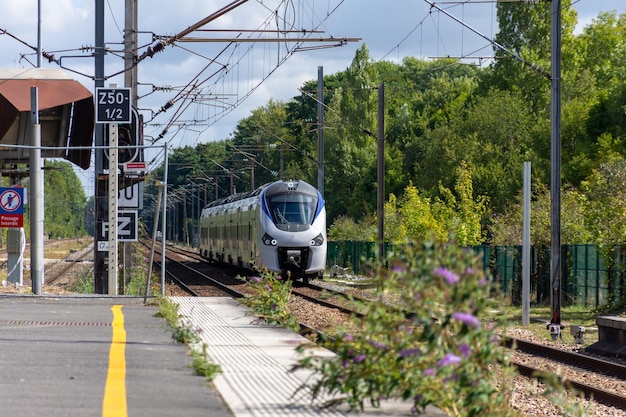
column 232, row 80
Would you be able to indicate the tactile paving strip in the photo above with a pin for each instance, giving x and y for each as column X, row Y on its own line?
column 264, row 387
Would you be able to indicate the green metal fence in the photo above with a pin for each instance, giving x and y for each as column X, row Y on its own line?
column 585, row 277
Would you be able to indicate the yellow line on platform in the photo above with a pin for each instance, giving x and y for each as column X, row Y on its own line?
column 114, row 404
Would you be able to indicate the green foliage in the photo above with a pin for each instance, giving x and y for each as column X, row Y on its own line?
column 506, row 227
column 415, row 219
column 345, row 228
column 269, row 299
column 524, row 29
column 84, row 284
column 135, row 275
column 183, row 332
column 168, row 310
column 204, row 367
column 65, row 201
column 443, row 355
column 186, row 334
column 464, row 212
column 456, row 214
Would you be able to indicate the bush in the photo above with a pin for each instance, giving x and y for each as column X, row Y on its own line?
column 447, row 353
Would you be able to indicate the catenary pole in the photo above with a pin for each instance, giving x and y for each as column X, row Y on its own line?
column 163, row 219
column 100, row 185
column 381, row 172
column 320, row 130
column 555, row 155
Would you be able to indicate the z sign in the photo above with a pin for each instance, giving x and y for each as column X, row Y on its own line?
column 126, row 227
column 113, row 105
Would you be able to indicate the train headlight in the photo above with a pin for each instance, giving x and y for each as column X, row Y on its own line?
column 317, row 240
column 268, row 240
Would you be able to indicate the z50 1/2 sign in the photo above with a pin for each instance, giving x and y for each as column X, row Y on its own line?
column 113, row 105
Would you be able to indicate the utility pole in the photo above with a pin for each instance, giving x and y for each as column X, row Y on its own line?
column 320, row 130
column 555, row 178
column 100, row 200
column 380, row 209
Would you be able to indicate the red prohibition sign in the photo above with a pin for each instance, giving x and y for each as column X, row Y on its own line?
column 10, row 200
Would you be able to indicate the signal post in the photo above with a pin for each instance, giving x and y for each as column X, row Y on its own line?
column 122, row 136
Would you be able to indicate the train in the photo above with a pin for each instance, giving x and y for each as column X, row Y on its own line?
column 279, row 227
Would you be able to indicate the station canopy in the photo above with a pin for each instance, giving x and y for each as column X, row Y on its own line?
column 66, row 115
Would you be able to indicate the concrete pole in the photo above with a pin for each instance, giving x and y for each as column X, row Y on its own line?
column 526, row 248
column 36, row 198
column 113, row 191
column 380, row 209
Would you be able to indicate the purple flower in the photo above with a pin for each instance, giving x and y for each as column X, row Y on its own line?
column 268, row 288
column 465, row 350
column 428, row 372
column 451, row 378
column 449, row 276
column 469, row 319
column 359, row 358
column 348, row 338
column 410, row 352
column 400, row 269
column 378, row 345
column 449, row 359
column 255, row 279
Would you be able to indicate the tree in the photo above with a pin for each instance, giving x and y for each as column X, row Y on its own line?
column 525, row 30
column 606, row 211
column 65, row 201
column 505, row 227
column 350, row 145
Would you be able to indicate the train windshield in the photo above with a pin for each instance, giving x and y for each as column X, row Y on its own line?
column 292, row 209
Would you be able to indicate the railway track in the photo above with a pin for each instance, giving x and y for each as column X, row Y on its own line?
column 61, row 269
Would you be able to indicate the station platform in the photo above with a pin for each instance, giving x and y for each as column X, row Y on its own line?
column 98, row 356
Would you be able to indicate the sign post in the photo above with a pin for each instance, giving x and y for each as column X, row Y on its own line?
column 113, row 106
column 12, row 216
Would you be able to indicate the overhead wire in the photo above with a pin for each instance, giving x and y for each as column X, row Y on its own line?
column 225, row 70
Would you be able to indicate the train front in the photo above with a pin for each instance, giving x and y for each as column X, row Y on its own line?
column 293, row 229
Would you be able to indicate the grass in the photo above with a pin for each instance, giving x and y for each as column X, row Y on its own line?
column 183, row 332
column 540, row 316
column 62, row 248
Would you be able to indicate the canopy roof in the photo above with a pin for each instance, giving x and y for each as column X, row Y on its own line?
column 66, row 112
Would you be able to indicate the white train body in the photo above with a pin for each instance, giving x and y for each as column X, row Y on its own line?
column 280, row 226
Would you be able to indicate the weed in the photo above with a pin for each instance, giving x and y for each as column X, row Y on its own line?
column 269, row 299
column 183, row 332
column 202, row 366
